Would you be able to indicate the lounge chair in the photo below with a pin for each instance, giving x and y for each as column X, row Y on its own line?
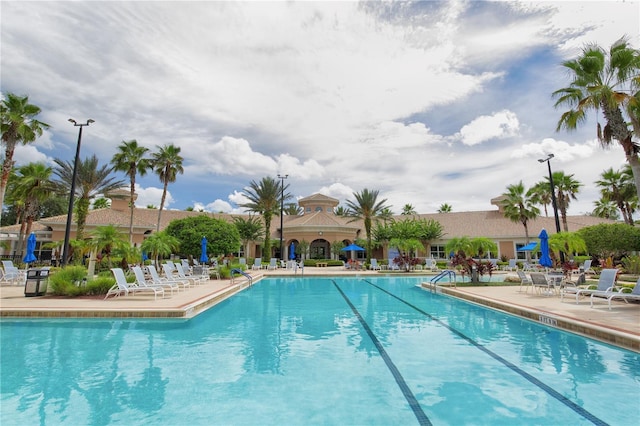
column 257, row 263
column 243, row 263
column 524, row 281
column 393, row 266
column 273, row 264
column 374, row 265
column 610, row 295
column 155, row 278
column 586, row 267
column 12, row 273
column 122, row 287
column 606, row 282
column 429, row 264
column 169, row 275
column 542, row 283
column 512, row 266
column 194, row 279
column 141, row 281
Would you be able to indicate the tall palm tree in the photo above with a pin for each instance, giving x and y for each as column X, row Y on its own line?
column 566, row 189
column 608, row 82
column 106, row 239
column 160, row 244
column 367, row 208
column 18, row 126
column 92, row 179
column 166, row 163
column 541, row 194
column 33, row 185
column 518, row 206
column 613, row 188
column 130, row 159
column 264, row 198
column 445, row 208
column 292, row 209
column 408, row 210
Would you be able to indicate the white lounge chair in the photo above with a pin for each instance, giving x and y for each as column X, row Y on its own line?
column 141, row 281
column 374, row 265
column 430, row 264
column 393, row 266
column 610, row 295
column 586, row 267
column 169, row 275
column 122, row 287
column 156, row 279
column 512, row 266
column 194, row 279
column 257, row 263
column 273, row 264
column 606, row 282
column 243, row 263
column 12, row 273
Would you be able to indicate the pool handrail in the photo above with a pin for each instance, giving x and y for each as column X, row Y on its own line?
column 451, row 274
column 236, row 271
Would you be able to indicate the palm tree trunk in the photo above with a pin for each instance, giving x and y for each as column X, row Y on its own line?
column 131, row 206
column 620, row 131
column 164, row 196
column 6, row 169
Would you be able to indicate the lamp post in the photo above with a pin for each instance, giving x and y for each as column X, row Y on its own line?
column 282, row 178
column 67, row 231
column 553, row 197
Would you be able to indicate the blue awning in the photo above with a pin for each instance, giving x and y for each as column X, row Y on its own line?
column 528, row 247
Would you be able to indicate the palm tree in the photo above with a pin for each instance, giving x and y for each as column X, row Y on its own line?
column 566, row 189
column 340, row 211
column 130, row 159
column 518, row 206
column 100, row 203
column 292, row 209
column 607, row 82
column 408, row 209
column 105, row 239
column 367, row 208
column 250, row 229
column 160, row 244
column 264, row 199
column 606, row 209
column 445, row 208
column 33, row 185
column 91, row 180
column 18, row 126
column 614, row 188
column 166, row 163
column 541, row 194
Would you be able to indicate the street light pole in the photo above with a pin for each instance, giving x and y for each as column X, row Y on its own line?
column 67, row 231
column 282, row 178
column 553, row 197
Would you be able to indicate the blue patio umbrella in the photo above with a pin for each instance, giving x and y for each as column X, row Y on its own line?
column 352, row 247
column 292, row 251
column 545, row 259
column 203, row 250
column 31, row 248
column 144, row 256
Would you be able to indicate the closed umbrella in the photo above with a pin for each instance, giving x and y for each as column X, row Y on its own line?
column 292, row 251
column 31, row 248
column 203, row 250
column 545, row 259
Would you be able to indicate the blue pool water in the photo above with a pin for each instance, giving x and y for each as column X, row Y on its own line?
column 348, row 350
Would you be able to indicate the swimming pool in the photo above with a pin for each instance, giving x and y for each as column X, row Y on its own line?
column 347, row 350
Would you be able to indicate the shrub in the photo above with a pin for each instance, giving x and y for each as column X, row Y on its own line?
column 631, row 264
column 100, row 285
column 63, row 282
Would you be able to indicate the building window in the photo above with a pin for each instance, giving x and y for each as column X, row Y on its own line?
column 438, row 252
column 308, row 209
column 318, row 209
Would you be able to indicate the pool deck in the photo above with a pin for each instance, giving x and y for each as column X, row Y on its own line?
column 619, row 326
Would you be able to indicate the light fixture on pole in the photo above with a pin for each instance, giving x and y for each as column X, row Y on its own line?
column 282, row 178
column 67, row 231
column 553, row 197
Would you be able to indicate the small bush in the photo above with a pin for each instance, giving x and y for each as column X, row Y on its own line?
column 63, row 282
column 100, row 285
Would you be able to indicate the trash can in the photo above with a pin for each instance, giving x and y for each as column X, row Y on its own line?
column 37, row 280
column 197, row 270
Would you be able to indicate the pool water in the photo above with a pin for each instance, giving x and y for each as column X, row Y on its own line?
column 315, row 350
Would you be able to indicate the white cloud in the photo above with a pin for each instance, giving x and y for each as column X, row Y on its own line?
column 499, row 125
column 562, row 151
column 152, row 196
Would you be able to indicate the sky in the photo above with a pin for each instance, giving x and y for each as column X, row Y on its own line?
column 427, row 102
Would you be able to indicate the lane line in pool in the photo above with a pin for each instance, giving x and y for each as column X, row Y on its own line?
column 406, row 391
column 548, row 389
